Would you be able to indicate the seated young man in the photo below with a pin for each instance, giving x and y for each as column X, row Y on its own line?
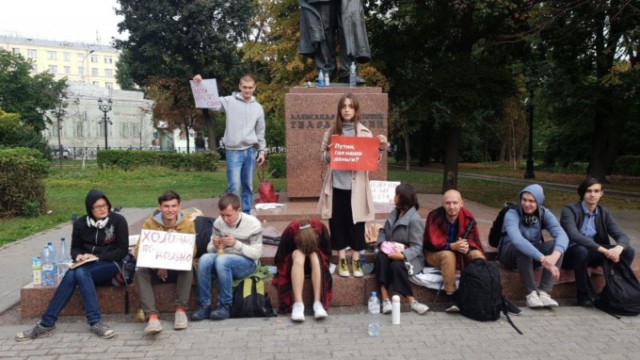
column 235, row 248
column 589, row 227
column 444, row 241
column 523, row 247
column 167, row 219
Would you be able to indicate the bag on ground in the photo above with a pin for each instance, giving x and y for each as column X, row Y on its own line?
column 479, row 296
column 621, row 293
column 251, row 300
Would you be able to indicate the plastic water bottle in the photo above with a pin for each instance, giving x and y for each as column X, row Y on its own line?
column 320, row 79
column 374, row 315
column 36, row 266
column 64, row 260
column 395, row 310
column 352, row 75
column 48, row 267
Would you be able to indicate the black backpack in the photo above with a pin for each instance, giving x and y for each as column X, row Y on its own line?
column 250, row 299
column 479, row 296
column 495, row 234
column 621, row 294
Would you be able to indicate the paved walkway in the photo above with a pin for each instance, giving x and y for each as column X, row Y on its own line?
column 566, row 333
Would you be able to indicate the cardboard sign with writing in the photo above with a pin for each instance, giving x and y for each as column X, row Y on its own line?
column 383, row 191
column 354, row 153
column 205, row 94
column 165, row 250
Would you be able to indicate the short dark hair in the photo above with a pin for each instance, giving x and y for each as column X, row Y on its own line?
column 248, row 77
column 229, row 199
column 587, row 183
column 407, row 197
column 168, row 196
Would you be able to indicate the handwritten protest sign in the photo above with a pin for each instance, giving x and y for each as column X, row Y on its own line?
column 383, row 191
column 205, row 93
column 165, row 250
column 354, row 153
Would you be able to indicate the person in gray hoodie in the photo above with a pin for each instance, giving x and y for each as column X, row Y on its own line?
column 523, row 246
column 243, row 138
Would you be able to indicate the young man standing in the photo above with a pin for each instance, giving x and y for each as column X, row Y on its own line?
column 523, row 246
column 243, row 138
column 589, row 227
column 233, row 253
column 444, row 241
column 168, row 218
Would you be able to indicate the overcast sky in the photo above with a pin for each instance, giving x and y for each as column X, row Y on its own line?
column 64, row 20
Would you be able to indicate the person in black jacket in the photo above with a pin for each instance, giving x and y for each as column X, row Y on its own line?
column 100, row 234
column 589, row 227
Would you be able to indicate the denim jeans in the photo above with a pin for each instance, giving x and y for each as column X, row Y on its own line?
column 225, row 268
column 85, row 278
column 241, row 164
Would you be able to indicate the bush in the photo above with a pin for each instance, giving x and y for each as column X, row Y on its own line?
column 278, row 165
column 22, row 174
column 131, row 159
column 627, row 165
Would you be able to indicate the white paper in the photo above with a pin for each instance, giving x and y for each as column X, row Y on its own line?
column 205, row 94
column 165, row 250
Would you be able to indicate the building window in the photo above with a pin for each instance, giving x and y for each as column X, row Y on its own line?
column 16, row 51
column 66, row 56
column 135, row 130
column 124, row 130
column 81, row 71
column 108, row 85
column 94, row 58
column 79, row 129
column 53, row 69
column 96, row 83
column 81, row 57
column 32, row 53
column 57, row 131
column 108, row 72
column 52, row 55
column 67, row 70
column 94, row 71
column 108, row 60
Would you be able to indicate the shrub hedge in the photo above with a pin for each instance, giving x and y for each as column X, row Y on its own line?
column 278, row 165
column 130, row 159
column 22, row 174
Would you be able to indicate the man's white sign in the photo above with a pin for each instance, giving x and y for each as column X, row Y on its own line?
column 165, row 250
column 205, row 94
column 383, row 191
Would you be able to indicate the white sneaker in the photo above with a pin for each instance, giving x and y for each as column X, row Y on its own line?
column 386, row 306
column 547, row 301
column 419, row 308
column 534, row 301
column 318, row 311
column 297, row 312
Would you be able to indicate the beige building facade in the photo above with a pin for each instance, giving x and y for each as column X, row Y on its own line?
column 78, row 62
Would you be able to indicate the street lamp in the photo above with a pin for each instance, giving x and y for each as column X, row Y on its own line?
column 83, row 59
column 105, row 107
column 528, row 103
column 59, row 112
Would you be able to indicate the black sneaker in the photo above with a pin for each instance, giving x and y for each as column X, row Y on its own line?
column 511, row 308
column 584, row 302
column 35, row 332
column 102, row 330
column 451, row 306
column 201, row 314
column 221, row 313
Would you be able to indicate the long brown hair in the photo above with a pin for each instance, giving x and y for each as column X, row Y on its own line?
column 307, row 238
column 336, row 129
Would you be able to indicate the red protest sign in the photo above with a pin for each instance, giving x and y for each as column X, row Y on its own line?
column 354, row 153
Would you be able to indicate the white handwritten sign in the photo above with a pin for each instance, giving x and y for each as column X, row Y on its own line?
column 383, row 191
column 205, row 94
column 165, row 250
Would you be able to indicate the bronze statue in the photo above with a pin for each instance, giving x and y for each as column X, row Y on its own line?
column 324, row 21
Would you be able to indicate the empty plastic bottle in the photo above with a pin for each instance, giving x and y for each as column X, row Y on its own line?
column 374, row 315
column 64, row 259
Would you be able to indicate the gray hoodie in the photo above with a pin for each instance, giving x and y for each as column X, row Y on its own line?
column 245, row 124
column 525, row 236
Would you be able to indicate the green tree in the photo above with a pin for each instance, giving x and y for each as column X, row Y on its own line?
column 31, row 96
column 13, row 133
column 174, row 40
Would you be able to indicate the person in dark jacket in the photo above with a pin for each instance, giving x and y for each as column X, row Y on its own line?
column 100, row 234
column 589, row 227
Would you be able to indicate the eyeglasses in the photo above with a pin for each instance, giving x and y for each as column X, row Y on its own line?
column 101, row 207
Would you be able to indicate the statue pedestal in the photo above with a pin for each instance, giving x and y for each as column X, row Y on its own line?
column 308, row 113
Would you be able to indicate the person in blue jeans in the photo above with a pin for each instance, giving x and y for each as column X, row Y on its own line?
column 233, row 253
column 100, row 234
column 243, row 138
